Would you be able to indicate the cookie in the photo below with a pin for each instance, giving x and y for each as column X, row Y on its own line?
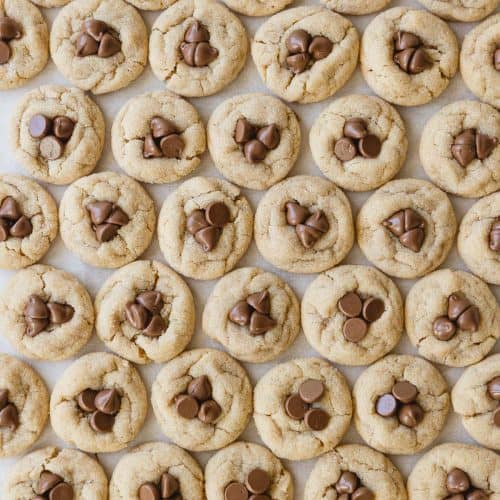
column 158, row 137
column 306, row 54
column 479, row 238
column 254, row 140
column 356, row 7
column 151, row 4
column 248, row 469
column 28, row 221
column 202, row 399
column 408, row 56
column 57, row 134
column 406, row 228
column 359, row 142
column 46, row 313
column 253, row 314
column 401, row 404
column 460, row 149
column 107, row 219
column 476, row 398
column 24, row 43
column 99, row 404
column 356, row 470
column 455, row 468
column 302, row 408
column 352, row 315
column 24, row 406
column 257, row 7
column 461, row 10
column 62, row 473
column 205, row 227
column 99, row 45
column 156, row 468
column 145, row 312
column 304, row 225
column 197, row 47
column 452, row 318
column 50, row 3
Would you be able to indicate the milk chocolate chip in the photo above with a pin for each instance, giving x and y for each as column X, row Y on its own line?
column 206, row 225
column 349, row 486
column 168, row 487
column 196, row 49
column 494, row 237
column 254, row 313
column 298, row 405
column 311, row 226
column 12, row 221
column 107, row 218
column 401, row 401
column 144, row 313
column 496, row 59
column 163, row 140
column 303, row 49
column 96, row 38
column 9, row 30
column 257, row 483
column 256, row 142
column 39, row 314
column 471, row 144
column 8, row 412
column 100, row 407
column 53, row 487
column 461, row 314
column 53, row 134
column 197, row 401
column 357, row 141
column 408, row 226
column 409, row 53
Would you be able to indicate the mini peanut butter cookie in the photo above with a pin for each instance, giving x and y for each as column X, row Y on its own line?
column 257, row 7
column 356, row 7
column 461, row 10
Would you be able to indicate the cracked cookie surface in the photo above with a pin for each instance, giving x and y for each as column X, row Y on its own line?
column 356, row 7
column 461, row 10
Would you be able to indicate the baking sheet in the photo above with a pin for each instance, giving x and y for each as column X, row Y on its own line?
column 92, row 278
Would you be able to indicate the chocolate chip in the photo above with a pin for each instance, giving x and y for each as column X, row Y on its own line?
column 155, row 327
column 86, row 45
column 466, row 138
column 101, row 422
column 457, row 481
column 496, row 59
column 4, row 398
column 295, row 407
column 345, row 149
column 307, row 235
column 386, row 405
column 318, row 221
column 9, row 209
column 36, row 308
column 409, row 55
column 196, row 33
column 86, row 400
column 311, row 390
column 269, row 136
column 137, row 315
column 373, row 308
column 496, row 417
column 396, row 223
column 108, row 401
column 244, row 131
column 258, row 481
column 187, row 51
column 59, row 313
column 363, row 493
column 469, row 319
column 9, row 417
column 443, row 328
column 63, row 127
column 494, row 237
column 240, row 313
column 106, row 232
column 255, row 151
column 217, row 214
column 9, row 29
column 151, row 300
column 295, row 213
column 457, row 304
column 355, row 329
column 149, row 491
column 21, row 228
column 419, row 62
column 118, row 217
column 63, row 491
column 51, row 148
column 186, row 406
column 35, row 326
column 494, row 388
column 169, row 485
column 47, row 481
column 196, row 221
column 208, row 237
column 413, row 239
column 260, row 301
column 4, row 230
column 471, row 144
column 209, row 412
column 485, row 145
column 347, row 483
column 316, row 419
column 320, row 47
column 200, row 388
column 4, row 52
column 404, row 391
column 404, row 40
column 204, row 54
column 410, row 415
column 260, row 497
column 160, row 127
column 355, row 128
column 108, row 46
column 39, row 126
column 350, row 305
column 150, row 148
column 477, row 495
column 260, row 323
column 463, row 154
column 95, row 28
column 172, row 146
column 99, row 211
column 369, row 146
column 297, row 63
column 298, row 41
column 235, row 491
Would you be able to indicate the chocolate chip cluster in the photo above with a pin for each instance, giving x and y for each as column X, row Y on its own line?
column 471, row 144
column 254, row 313
column 107, row 218
column 461, row 314
column 493, row 391
column 409, row 53
column 196, row 49
column 349, row 487
column 257, row 483
column 494, row 237
column 39, row 315
column 145, row 313
column 53, row 134
column 304, row 49
column 357, row 141
column 163, row 140
column 408, row 226
column 53, row 487
column 9, row 30
column 9, row 416
column 459, row 486
column 256, row 142
column 309, row 227
column 206, row 225
column 102, row 407
column 12, row 221
column 401, row 401
column 167, row 489
column 96, row 38
column 197, row 401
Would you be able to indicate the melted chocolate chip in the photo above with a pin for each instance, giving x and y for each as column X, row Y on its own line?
column 471, row 144
column 196, row 49
column 9, row 417
column 409, row 53
column 206, row 225
column 96, row 38
column 144, row 313
column 304, row 48
column 12, row 221
column 9, row 30
column 107, row 218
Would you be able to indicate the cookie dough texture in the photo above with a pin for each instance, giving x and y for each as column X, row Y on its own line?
column 386, row 434
column 97, row 371
column 30, row 53
column 427, row 480
column 151, row 4
column 471, row 401
column 80, row 154
column 386, row 78
column 461, row 10
column 259, row 110
column 384, row 250
column 122, row 288
column 277, row 241
column 234, row 462
column 428, row 300
column 231, row 389
column 322, row 321
column 28, row 393
column 325, row 76
column 132, row 124
column 147, row 463
column 227, row 35
column 50, row 284
column 180, row 248
column 374, row 470
column 477, row 60
column 82, row 472
column 237, row 286
column 382, row 120
column 76, row 227
column 474, row 235
column 39, row 206
column 478, row 178
column 292, row 439
column 356, row 7
column 100, row 74
column 257, row 7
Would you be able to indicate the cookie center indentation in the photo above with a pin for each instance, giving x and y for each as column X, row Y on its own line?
column 145, row 313
column 52, row 133
column 13, row 223
column 196, row 49
column 410, row 54
column 163, row 140
column 304, row 50
column 357, row 141
column 206, row 225
column 349, row 487
column 257, row 484
column 459, row 483
column 256, row 141
column 9, row 30
column 168, row 487
column 97, row 38
column 254, row 312
column 197, row 401
column 308, row 226
column 101, row 407
column 40, row 314
column 107, row 218
column 408, row 226
column 471, row 144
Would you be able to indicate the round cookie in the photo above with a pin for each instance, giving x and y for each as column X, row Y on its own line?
column 197, row 47
column 480, row 60
column 292, row 428
column 95, row 56
column 476, row 397
column 356, row 7
column 408, row 56
column 158, row 137
column 429, row 477
column 95, row 382
column 24, row 406
column 156, row 467
column 372, row 470
column 332, row 41
column 253, row 314
column 406, row 228
column 452, row 318
column 250, row 467
column 24, row 46
column 107, row 219
column 479, row 238
column 460, row 149
column 28, row 221
column 145, row 312
column 57, row 134
column 205, row 227
column 257, row 7
column 391, row 419
column 461, row 10
column 254, row 140
column 47, row 4
column 359, row 142
column 304, row 225
column 46, row 313
column 202, row 399
column 352, row 315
